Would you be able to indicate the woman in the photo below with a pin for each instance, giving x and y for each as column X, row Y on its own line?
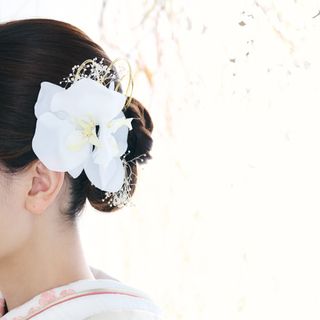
column 62, row 142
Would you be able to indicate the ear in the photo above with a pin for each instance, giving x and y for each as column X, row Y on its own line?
column 43, row 187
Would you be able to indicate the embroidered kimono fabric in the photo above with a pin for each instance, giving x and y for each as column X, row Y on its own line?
column 88, row 299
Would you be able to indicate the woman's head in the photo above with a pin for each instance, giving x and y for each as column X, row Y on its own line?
column 32, row 51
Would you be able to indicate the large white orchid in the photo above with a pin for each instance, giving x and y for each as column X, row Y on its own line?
column 65, row 133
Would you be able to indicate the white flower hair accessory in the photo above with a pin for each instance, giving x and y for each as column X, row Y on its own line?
column 83, row 127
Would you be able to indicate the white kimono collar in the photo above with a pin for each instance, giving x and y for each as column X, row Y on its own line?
column 85, row 297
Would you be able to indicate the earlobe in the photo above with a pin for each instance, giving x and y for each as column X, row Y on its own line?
column 43, row 187
column 36, row 208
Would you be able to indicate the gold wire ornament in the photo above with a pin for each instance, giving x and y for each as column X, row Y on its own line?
column 108, row 75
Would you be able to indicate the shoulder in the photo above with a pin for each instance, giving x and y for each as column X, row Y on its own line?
column 127, row 303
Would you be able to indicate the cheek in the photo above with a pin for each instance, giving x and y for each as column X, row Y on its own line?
column 15, row 224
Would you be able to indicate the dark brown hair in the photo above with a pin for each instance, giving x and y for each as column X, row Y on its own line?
column 36, row 50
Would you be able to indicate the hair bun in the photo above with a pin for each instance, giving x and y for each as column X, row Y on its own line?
column 139, row 138
column 139, row 145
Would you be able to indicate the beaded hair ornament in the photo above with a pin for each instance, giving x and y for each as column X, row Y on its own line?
column 81, row 126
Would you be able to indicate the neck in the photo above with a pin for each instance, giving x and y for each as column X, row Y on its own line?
column 53, row 261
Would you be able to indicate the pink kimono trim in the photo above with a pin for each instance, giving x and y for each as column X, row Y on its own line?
column 49, row 297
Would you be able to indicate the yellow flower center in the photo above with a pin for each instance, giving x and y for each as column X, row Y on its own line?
column 88, row 130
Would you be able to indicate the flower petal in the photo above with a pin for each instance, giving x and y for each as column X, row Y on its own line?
column 88, row 97
column 108, row 147
column 50, row 144
column 76, row 171
column 46, row 92
column 121, row 136
column 111, row 85
column 107, row 178
column 115, row 124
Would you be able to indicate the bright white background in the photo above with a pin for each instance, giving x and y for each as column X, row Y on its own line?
column 226, row 218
